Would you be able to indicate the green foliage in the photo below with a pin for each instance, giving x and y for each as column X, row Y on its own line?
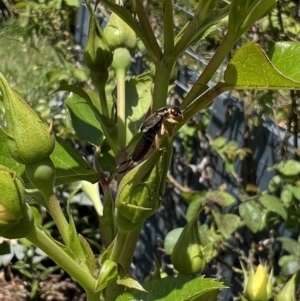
column 110, row 121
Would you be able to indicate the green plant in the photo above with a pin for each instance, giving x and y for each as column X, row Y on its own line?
column 28, row 146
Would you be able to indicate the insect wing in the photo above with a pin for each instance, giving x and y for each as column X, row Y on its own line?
column 153, row 120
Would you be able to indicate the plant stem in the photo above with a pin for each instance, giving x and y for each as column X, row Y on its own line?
column 129, row 248
column 99, row 80
column 58, row 217
column 201, row 84
column 161, row 83
column 153, row 47
column 121, row 108
column 40, row 239
column 118, row 247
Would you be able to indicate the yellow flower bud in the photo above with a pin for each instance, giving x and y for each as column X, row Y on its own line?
column 29, row 138
column 256, row 287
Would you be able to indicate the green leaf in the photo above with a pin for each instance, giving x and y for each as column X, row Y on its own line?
column 89, row 255
column 72, row 3
column 171, row 239
column 296, row 192
column 83, row 119
column 227, row 223
column 286, row 194
column 273, row 204
column 138, row 99
column 290, row 245
column 70, row 166
column 108, row 126
column 243, row 14
column 289, row 168
column 252, row 215
column 218, row 143
column 290, row 264
column 183, row 288
column 250, row 68
column 222, row 198
column 285, row 57
column 129, row 282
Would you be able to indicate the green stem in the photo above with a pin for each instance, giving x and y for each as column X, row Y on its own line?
column 121, row 107
column 161, row 83
column 154, row 49
column 114, row 290
column 201, row 84
column 40, row 239
column 58, row 217
column 118, row 247
column 168, row 28
column 129, row 248
column 99, row 79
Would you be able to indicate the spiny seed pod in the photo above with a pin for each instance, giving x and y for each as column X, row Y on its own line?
column 119, row 34
column 187, row 255
column 16, row 220
column 29, row 138
column 97, row 54
column 140, row 191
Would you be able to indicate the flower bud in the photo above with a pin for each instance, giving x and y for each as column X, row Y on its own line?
column 16, row 220
column 29, row 138
column 139, row 193
column 97, row 54
column 121, row 60
column 187, row 255
column 256, row 287
column 119, row 34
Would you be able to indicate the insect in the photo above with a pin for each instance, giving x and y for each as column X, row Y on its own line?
column 150, row 128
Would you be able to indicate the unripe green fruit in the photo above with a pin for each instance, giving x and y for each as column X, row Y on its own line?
column 187, row 255
column 16, row 220
column 121, row 59
column 119, row 34
column 29, row 138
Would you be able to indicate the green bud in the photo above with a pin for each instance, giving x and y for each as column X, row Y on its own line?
column 122, row 59
column 29, row 138
column 140, row 191
column 42, row 176
column 288, row 292
column 119, row 34
column 256, row 288
column 187, row 255
column 97, row 54
column 16, row 220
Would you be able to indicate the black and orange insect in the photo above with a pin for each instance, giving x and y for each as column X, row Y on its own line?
column 150, row 128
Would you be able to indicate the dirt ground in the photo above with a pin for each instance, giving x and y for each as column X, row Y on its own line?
column 53, row 289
